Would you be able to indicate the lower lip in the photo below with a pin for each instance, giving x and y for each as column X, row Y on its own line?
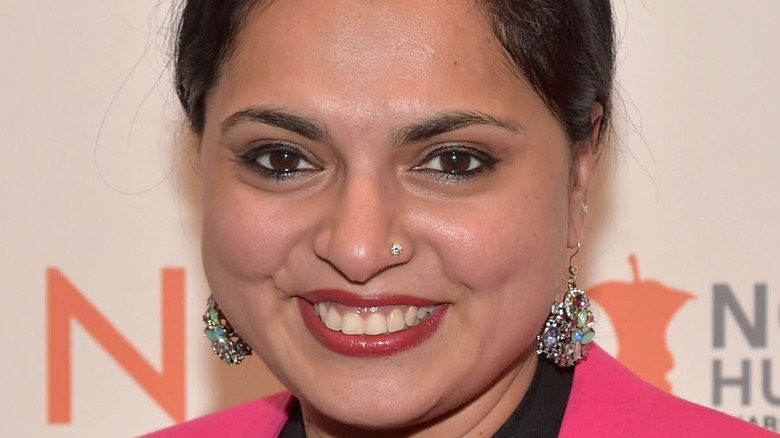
column 387, row 344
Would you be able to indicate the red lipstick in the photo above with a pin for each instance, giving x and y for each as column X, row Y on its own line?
column 368, row 345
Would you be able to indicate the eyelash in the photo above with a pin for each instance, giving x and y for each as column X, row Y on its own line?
column 259, row 159
column 483, row 160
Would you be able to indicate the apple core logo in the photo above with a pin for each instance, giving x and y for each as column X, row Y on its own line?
column 641, row 312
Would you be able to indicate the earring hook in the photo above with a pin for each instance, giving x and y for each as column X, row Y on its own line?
column 576, row 251
column 572, row 268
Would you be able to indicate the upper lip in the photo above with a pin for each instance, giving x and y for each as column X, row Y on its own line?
column 364, row 300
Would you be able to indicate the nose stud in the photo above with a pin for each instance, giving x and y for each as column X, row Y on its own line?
column 396, row 249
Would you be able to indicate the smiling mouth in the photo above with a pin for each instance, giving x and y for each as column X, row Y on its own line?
column 369, row 325
column 372, row 321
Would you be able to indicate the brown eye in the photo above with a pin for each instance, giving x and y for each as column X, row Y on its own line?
column 277, row 161
column 282, row 161
column 455, row 162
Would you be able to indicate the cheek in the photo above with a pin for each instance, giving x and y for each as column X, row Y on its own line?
column 523, row 250
column 246, row 234
column 512, row 268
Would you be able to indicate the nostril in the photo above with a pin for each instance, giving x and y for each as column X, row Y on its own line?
column 358, row 236
column 359, row 263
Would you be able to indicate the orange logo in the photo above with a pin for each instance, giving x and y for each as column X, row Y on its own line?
column 641, row 312
column 67, row 305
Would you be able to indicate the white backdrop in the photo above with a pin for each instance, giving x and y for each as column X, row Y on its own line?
column 95, row 185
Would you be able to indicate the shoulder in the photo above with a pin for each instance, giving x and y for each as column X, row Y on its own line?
column 608, row 400
column 266, row 415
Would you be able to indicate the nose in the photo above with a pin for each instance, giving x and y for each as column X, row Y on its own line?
column 361, row 235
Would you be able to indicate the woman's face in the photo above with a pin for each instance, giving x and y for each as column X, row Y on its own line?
column 339, row 128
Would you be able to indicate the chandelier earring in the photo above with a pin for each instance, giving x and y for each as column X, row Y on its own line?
column 225, row 342
column 568, row 331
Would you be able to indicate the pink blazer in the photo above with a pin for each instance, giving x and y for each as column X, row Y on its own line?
column 607, row 400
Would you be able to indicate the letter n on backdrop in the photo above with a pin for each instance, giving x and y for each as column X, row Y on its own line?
column 65, row 302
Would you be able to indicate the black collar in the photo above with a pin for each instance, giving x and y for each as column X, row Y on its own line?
column 540, row 414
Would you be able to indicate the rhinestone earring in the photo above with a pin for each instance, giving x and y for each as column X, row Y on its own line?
column 568, row 330
column 225, row 342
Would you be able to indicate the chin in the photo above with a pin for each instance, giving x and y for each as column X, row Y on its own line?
column 404, row 410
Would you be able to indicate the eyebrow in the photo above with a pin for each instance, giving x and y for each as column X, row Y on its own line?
column 415, row 132
column 302, row 126
column 451, row 121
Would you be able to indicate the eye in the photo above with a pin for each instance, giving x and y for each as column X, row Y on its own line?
column 278, row 161
column 282, row 161
column 453, row 162
column 457, row 161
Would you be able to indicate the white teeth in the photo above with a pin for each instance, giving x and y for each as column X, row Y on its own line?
column 395, row 321
column 352, row 324
column 372, row 320
column 332, row 318
column 410, row 317
column 375, row 324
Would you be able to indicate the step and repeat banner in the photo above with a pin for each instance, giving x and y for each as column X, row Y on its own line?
column 99, row 250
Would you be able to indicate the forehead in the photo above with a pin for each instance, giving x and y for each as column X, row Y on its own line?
column 360, row 56
column 359, row 35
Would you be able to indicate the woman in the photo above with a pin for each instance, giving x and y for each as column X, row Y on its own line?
column 393, row 193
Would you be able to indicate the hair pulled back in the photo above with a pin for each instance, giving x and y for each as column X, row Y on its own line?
column 564, row 48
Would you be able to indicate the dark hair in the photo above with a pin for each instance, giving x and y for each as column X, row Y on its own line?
column 564, row 48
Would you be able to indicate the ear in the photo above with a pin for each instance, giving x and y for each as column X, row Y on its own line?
column 581, row 168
